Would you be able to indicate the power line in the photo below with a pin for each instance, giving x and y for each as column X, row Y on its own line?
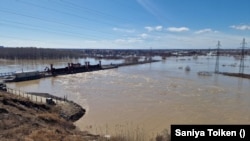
column 241, row 70
column 66, row 13
column 217, row 57
column 96, row 12
column 52, row 21
column 34, row 28
column 32, row 40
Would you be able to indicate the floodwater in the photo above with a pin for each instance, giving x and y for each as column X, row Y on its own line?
column 151, row 96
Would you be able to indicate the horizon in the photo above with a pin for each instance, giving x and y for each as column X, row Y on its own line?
column 118, row 24
column 145, row 49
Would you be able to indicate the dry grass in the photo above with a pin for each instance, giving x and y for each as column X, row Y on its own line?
column 55, row 120
column 49, row 135
column 50, row 118
column 164, row 136
column 56, row 134
column 33, row 123
column 130, row 132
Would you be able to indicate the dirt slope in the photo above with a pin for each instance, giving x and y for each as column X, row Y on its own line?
column 22, row 120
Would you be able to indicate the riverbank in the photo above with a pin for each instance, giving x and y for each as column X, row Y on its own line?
column 24, row 120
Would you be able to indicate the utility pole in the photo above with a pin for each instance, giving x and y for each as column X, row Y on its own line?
column 217, row 58
column 150, row 56
column 241, row 71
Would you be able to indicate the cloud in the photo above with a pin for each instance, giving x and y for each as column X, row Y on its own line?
column 159, row 28
column 149, row 28
column 206, row 30
column 143, row 35
column 128, row 41
column 241, row 27
column 177, row 29
column 155, row 28
column 124, row 30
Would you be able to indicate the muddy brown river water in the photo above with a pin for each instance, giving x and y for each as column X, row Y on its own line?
column 151, row 97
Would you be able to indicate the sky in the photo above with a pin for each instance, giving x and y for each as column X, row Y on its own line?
column 124, row 24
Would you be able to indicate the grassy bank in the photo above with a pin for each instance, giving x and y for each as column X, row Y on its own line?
column 134, row 134
column 23, row 120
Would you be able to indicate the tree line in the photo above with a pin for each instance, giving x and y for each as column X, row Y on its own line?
column 38, row 53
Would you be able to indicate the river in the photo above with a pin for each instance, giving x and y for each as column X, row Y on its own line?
column 149, row 97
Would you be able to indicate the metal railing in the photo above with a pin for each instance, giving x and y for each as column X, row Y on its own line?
column 36, row 97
